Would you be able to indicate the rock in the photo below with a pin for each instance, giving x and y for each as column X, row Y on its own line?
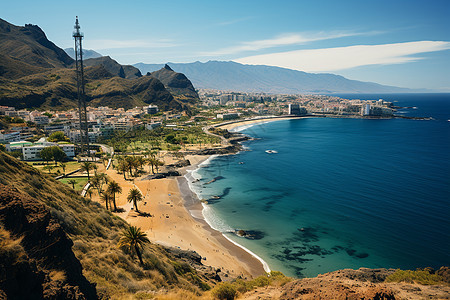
column 45, row 248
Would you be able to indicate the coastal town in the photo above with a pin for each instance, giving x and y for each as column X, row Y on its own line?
column 28, row 126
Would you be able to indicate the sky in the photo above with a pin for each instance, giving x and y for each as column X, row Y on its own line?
column 403, row 43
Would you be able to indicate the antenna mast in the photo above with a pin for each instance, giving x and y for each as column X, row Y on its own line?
column 84, row 137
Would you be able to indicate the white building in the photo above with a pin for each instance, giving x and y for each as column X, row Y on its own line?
column 32, row 152
column 8, row 137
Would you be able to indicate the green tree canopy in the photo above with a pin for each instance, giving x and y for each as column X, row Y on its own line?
column 134, row 239
column 58, row 136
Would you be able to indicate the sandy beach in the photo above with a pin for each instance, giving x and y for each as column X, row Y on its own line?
column 233, row 125
column 177, row 221
column 176, row 216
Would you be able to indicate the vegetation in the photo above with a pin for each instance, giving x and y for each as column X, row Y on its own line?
column 134, row 239
column 421, row 276
column 113, row 189
column 230, row 290
column 95, row 233
column 134, row 195
column 87, row 166
column 58, row 136
column 54, row 153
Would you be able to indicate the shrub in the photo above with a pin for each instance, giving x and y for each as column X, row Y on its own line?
column 225, row 291
column 419, row 276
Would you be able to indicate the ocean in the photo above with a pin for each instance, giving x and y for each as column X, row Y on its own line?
column 339, row 193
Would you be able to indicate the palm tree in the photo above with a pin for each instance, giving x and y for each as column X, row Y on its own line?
column 94, row 167
column 134, row 239
column 72, row 182
column 134, row 195
column 86, row 166
column 89, row 192
column 63, row 167
column 123, row 167
column 98, row 181
column 113, row 189
column 105, row 197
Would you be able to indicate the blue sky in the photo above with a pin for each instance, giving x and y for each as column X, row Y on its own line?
column 396, row 42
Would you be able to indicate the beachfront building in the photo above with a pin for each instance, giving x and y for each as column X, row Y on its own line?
column 228, row 116
column 31, row 152
column 296, row 109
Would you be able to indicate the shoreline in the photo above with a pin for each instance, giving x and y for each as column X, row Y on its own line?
column 193, row 207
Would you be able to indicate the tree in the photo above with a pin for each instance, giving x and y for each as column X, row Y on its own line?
column 52, row 153
column 72, row 182
column 122, row 167
column 86, row 166
column 46, row 154
column 134, row 239
column 98, row 181
column 58, row 136
column 113, row 189
column 49, row 168
column 89, row 192
column 134, row 195
column 63, row 167
column 58, row 155
column 105, row 197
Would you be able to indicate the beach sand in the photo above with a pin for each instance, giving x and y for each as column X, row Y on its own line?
column 176, row 216
column 233, row 125
column 176, row 221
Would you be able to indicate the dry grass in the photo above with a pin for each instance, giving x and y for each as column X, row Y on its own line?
column 95, row 233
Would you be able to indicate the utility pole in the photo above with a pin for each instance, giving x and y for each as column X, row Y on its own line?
column 84, row 137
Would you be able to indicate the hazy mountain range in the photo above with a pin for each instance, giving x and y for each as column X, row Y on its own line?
column 233, row 76
column 86, row 53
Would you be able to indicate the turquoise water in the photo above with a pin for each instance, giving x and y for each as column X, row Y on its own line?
column 340, row 193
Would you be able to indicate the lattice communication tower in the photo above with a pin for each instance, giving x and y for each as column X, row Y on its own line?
column 84, row 138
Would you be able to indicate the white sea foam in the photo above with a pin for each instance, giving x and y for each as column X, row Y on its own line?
column 208, row 214
column 265, row 265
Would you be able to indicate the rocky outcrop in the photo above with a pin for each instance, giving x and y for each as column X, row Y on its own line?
column 177, row 83
column 45, row 267
column 112, row 66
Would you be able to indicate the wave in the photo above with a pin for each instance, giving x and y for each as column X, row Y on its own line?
column 265, row 265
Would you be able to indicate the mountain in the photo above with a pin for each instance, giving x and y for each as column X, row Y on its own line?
column 86, row 53
column 177, row 83
column 35, row 73
column 232, row 76
column 26, row 50
column 112, row 66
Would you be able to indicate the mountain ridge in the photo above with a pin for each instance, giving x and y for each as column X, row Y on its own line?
column 233, row 76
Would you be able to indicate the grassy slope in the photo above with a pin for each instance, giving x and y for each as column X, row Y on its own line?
column 95, row 233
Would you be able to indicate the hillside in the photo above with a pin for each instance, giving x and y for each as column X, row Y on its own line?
column 53, row 240
column 112, row 66
column 232, row 76
column 177, row 83
column 35, row 73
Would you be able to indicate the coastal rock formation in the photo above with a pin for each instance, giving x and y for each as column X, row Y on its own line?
column 42, row 265
column 352, row 285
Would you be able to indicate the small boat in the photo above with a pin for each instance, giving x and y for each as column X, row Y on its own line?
column 271, row 151
column 241, row 162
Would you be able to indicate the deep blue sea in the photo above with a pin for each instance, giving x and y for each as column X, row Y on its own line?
column 340, row 193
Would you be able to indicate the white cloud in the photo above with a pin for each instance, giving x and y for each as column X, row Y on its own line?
column 333, row 59
column 123, row 44
column 282, row 40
